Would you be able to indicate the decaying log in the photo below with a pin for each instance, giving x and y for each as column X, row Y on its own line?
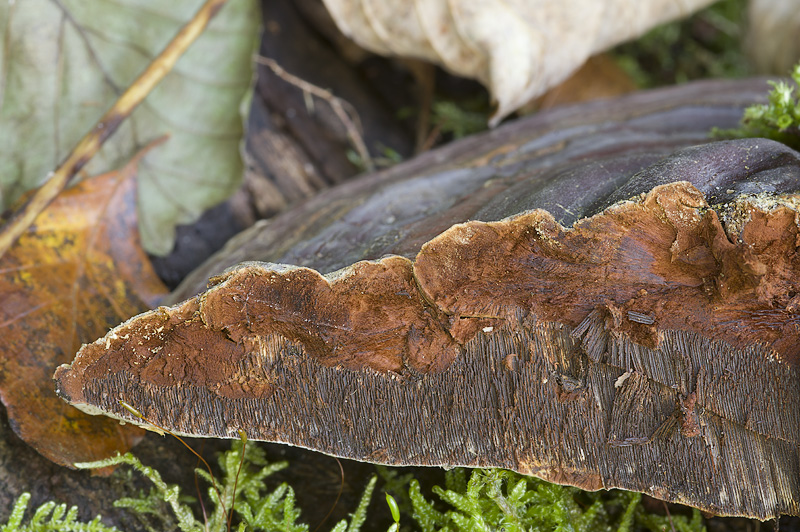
column 638, row 333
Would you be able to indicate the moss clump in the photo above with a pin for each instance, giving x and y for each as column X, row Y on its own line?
column 778, row 119
column 494, row 499
column 459, row 120
column 256, row 508
column 472, row 500
column 50, row 517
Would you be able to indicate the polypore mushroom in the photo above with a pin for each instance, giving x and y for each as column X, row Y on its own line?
column 650, row 345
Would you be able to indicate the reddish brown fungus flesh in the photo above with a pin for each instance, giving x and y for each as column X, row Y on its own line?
column 652, row 346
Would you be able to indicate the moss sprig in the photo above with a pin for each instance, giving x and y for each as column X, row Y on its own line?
column 778, row 119
column 471, row 500
column 494, row 499
column 244, row 470
column 50, row 517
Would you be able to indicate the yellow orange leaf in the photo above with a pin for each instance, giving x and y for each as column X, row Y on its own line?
column 517, row 49
column 78, row 271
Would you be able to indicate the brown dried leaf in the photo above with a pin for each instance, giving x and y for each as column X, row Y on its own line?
column 78, row 271
column 517, row 49
column 599, row 77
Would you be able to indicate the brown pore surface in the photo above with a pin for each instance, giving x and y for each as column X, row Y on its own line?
column 644, row 348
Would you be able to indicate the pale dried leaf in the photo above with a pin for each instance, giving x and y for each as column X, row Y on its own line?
column 517, row 48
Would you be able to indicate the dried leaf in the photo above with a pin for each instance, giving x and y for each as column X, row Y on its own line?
column 517, row 49
column 599, row 77
column 78, row 271
column 507, row 343
column 65, row 63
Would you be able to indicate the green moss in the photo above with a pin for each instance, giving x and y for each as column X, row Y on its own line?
column 459, row 120
column 494, row 499
column 778, row 119
column 243, row 480
column 386, row 157
column 50, row 517
column 471, row 500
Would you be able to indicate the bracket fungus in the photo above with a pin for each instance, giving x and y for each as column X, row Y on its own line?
column 651, row 344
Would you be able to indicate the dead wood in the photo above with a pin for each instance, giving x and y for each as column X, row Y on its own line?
column 638, row 331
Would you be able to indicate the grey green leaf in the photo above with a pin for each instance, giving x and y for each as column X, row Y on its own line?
column 64, row 62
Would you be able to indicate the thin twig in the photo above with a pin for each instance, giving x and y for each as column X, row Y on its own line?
column 669, row 517
column 243, row 438
column 351, row 124
column 107, row 125
column 162, row 430
column 338, row 495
